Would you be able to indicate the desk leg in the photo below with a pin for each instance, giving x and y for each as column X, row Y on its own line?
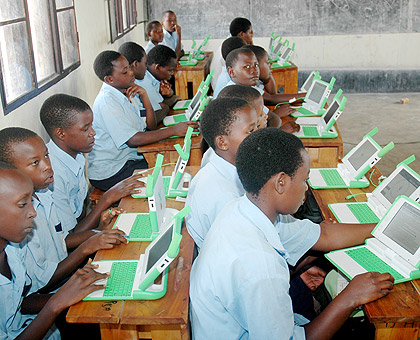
column 397, row 331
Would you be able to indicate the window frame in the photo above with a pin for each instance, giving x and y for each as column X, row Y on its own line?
column 116, row 18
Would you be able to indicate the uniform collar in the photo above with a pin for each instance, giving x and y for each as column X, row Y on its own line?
column 227, row 169
column 74, row 164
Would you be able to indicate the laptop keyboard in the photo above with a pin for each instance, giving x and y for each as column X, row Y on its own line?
column 120, row 283
column 371, row 262
column 180, row 118
column 142, row 228
column 332, row 177
column 310, row 131
column 363, row 213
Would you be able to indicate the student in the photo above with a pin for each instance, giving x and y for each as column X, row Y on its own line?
column 160, row 64
column 15, row 279
column 68, row 122
column 240, row 280
column 154, row 31
column 119, row 127
column 47, row 245
column 172, row 33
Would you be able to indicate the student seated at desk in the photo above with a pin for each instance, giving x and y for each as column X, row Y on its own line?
column 68, row 122
column 239, row 285
column 172, row 33
column 154, row 31
column 119, row 123
column 17, row 311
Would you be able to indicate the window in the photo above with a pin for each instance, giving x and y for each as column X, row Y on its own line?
column 122, row 17
column 38, row 47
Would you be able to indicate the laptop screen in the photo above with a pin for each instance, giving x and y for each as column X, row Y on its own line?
column 362, row 154
column 404, row 183
column 403, row 228
column 307, row 85
column 193, row 112
column 317, row 92
column 286, row 53
column 160, row 248
column 330, row 112
column 195, row 100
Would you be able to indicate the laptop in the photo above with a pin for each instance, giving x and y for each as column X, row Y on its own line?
column 189, row 62
column 350, row 173
column 275, row 50
column 403, row 181
column 188, row 115
column 135, row 279
column 308, row 82
column 187, row 53
column 322, row 127
column 394, row 248
column 315, row 99
column 283, row 60
column 199, row 53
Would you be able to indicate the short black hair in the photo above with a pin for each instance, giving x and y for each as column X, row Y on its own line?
column 218, row 116
column 233, row 55
column 60, row 111
column 132, row 51
column 265, row 153
column 239, row 25
column 103, row 63
column 7, row 166
column 245, row 92
column 231, row 44
column 11, row 136
column 166, row 13
column 150, row 25
column 259, row 51
column 161, row 55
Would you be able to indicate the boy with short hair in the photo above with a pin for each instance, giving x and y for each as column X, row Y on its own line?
column 154, row 31
column 172, row 33
column 240, row 280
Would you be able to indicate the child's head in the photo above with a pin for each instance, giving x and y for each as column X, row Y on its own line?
column 136, row 57
column 161, row 62
column 242, row 67
column 113, row 68
column 16, row 210
column 68, row 121
column 169, row 21
column 154, row 32
column 274, row 164
column 25, row 150
column 231, row 44
column 241, row 27
column 263, row 63
column 225, row 123
column 252, row 96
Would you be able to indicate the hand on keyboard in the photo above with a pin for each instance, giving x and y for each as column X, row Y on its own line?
column 106, row 239
column 107, row 217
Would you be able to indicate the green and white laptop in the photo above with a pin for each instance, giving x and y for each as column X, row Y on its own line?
column 403, row 181
column 322, row 127
column 135, row 279
column 315, row 98
column 283, row 60
column 193, row 50
column 394, row 248
column 189, row 62
column 193, row 115
column 308, row 82
column 274, row 50
column 351, row 172
column 199, row 53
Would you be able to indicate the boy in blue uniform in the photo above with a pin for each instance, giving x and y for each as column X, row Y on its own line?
column 154, row 31
column 240, row 280
column 15, row 279
column 172, row 33
column 68, row 122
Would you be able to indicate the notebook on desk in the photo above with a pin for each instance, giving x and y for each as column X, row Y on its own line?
column 394, row 248
column 402, row 181
column 356, row 163
column 322, row 127
column 135, row 279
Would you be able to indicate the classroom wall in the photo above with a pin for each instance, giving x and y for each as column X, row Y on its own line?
column 93, row 28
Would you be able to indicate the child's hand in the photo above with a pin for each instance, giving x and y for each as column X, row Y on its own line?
column 178, row 30
column 135, row 89
column 106, row 239
column 165, row 88
column 180, row 129
column 126, row 187
column 313, row 277
column 284, row 110
column 107, row 216
column 290, row 127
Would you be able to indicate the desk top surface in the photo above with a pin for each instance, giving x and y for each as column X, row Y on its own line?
column 200, row 65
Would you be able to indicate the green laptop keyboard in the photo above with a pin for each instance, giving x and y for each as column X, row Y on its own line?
column 371, row 262
column 332, row 178
column 363, row 213
column 309, row 131
column 180, row 118
column 142, row 228
column 121, row 281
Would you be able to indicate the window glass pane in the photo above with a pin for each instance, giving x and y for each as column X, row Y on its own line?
column 15, row 60
column 11, row 9
column 124, row 14
column 68, row 37
column 42, row 39
column 63, row 3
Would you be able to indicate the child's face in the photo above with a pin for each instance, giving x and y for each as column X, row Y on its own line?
column 165, row 72
column 122, row 75
column 16, row 210
column 247, row 36
column 265, row 68
column 31, row 157
column 139, row 68
column 169, row 22
column 262, row 117
column 80, row 136
column 245, row 70
column 156, row 34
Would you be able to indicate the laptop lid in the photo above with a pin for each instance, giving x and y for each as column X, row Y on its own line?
column 308, row 82
column 316, row 93
column 333, row 112
column 181, row 163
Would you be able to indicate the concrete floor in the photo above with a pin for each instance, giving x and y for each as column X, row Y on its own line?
column 399, row 123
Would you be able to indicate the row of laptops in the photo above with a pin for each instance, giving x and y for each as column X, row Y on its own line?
column 192, row 57
column 279, row 53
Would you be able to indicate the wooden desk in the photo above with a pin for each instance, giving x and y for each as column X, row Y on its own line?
column 192, row 74
column 287, row 77
column 397, row 315
column 162, row 319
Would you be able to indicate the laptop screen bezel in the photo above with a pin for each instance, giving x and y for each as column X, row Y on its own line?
column 347, row 163
column 334, row 116
column 308, row 95
column 308, row 81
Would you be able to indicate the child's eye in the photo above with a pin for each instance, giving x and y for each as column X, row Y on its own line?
column 22, row 205
column 35, row 162
column 47, row 155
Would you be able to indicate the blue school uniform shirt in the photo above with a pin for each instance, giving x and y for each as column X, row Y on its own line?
column 239, row 286
column 152, row 87
column 12, row 292
column 70, row 187
column 149, row 46
column 170, row 40
column 222, row 81
column 115, row 120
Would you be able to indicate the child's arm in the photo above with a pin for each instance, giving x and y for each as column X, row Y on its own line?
column 166, row 89
column 178, row 50
column 274, row 99
column 150, row 114
column 270, row 85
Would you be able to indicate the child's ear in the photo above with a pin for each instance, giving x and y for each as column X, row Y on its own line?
column 231, row 72
column 280, row 182
column 59, row 133
column 108, row 79
column 221, row 143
